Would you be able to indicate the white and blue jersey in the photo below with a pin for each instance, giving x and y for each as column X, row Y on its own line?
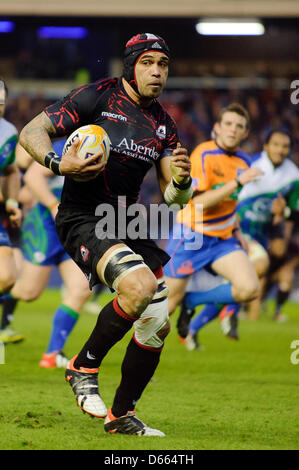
column 40, row 242
column 256, row 197
column 8, row 142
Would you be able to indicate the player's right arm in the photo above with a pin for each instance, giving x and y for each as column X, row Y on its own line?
column 36, row 140
column 213, row 197
column 203, row 194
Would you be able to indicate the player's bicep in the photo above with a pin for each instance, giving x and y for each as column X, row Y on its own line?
column 38, row 124
column 42, row 120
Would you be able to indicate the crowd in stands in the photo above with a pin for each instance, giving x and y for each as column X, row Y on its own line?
column 195, row 110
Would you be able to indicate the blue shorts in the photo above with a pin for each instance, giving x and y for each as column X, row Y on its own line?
column 40, row 242
column 185, row 261
column 4, row 238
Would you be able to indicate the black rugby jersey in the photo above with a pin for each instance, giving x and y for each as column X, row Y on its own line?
column 139, row 137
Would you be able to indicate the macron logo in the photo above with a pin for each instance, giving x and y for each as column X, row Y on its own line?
column 114, row 116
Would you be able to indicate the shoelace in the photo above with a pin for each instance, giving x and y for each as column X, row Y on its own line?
column 131, row 424
column 86, row 384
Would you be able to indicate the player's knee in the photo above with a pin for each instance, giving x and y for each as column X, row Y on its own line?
column 136, row 292
column 126, row 272
column 28, row 294
column 7, row 283
column 76, row 296
column 250, row 291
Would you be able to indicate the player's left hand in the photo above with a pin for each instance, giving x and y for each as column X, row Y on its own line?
column 180, row 165
column 15, row 216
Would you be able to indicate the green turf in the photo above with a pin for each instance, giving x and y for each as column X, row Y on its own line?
column 233, row 395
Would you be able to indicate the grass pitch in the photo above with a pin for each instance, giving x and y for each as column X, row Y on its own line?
column 232, row 395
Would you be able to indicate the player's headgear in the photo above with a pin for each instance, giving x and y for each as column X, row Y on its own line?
column 136, row 46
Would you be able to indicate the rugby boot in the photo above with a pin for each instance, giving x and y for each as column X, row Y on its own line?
column 54, row 360
column 191, row 342
column 129, row 424
column 84, row 383
column 10, row 336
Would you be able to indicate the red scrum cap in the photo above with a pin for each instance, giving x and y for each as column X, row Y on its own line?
column 136, row 46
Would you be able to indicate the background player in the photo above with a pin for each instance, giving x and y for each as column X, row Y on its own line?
column 260, row 210
column 42, row 250
column 259, row 207
column 281, row 274
column 8, row 334
column 10, row 187
column 219, row 170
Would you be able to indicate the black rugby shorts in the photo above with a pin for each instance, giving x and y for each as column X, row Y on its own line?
column 76, row 231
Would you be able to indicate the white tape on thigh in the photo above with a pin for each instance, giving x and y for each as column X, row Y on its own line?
column 154, row 317
column 119, row 264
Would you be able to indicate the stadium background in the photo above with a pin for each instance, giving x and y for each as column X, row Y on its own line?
column 206, row 72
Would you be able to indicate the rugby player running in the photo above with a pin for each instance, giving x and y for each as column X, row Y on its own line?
column 142, row 134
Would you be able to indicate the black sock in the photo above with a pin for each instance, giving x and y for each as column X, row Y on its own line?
column 111, row 326
column 8, row 309
column 137, row 369
column 281, row 298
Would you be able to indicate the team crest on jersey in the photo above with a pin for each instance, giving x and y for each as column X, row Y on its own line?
column 161, row 132
column 84, row 253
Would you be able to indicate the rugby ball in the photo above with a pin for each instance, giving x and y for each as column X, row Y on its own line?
column 91, row 140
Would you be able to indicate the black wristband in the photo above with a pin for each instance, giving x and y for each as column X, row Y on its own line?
column 52, row 161
column 240, row 185
column 48, row 158
column 182, row 186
